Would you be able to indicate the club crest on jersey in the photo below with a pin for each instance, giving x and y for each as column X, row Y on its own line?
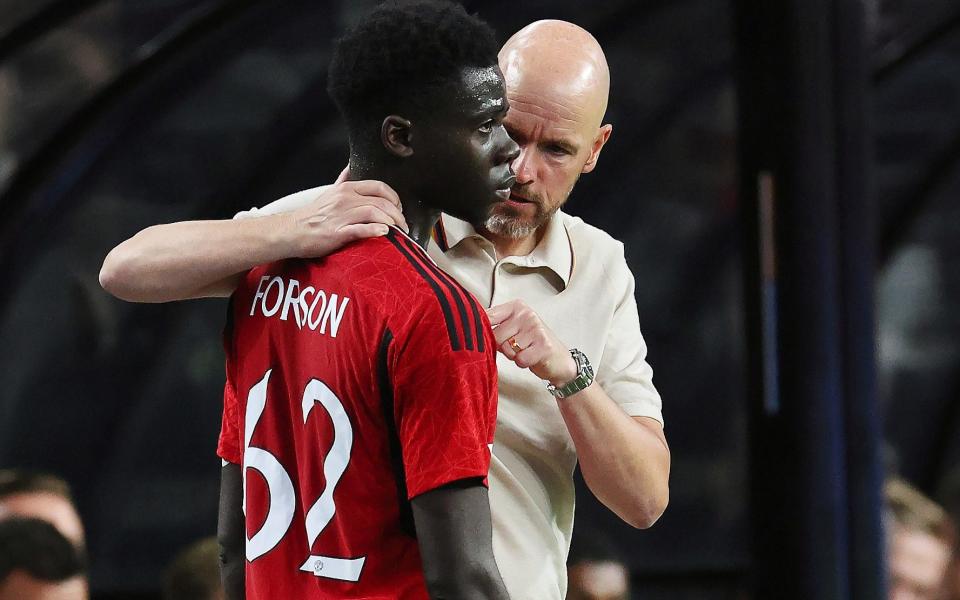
column 310, row 307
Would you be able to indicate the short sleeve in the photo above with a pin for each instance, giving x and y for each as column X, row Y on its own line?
column 445, row 401
column 623, row 371
column 230, row 443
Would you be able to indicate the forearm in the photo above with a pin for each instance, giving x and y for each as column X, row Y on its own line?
column 231, row 533
column 232, row 576
column 455, row 534
column 625, row 463
column 192, row 259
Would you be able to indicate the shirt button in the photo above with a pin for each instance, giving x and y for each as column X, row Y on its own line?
column 318, row 566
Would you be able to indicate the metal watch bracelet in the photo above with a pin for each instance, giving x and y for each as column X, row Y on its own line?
column 583, row 379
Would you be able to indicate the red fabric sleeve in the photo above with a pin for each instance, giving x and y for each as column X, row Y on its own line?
column 445, row 403
column 230, row 443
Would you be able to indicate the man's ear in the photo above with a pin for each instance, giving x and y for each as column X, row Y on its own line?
column 602, row 136
column 397, row 136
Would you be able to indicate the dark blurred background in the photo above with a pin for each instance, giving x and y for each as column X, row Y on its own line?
column 119, row 114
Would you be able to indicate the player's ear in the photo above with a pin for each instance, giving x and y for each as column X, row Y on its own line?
column 397, row 136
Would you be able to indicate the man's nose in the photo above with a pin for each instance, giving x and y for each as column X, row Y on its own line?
column 523, row 166
column 510, row 149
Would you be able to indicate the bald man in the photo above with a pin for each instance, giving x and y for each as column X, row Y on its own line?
column 574, row 381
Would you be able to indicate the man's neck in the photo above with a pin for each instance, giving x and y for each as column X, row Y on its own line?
column 420, row 219
column 419, row 215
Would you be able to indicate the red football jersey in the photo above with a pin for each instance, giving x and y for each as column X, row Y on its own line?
column 354, row 383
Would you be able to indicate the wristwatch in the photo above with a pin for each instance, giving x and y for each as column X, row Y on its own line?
column 583, row 379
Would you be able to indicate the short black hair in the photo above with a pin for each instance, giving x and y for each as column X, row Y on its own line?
column 400, row 52
column 36, row 547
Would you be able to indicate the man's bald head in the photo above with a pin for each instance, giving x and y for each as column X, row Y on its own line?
column 562, row 61
column 557, row 84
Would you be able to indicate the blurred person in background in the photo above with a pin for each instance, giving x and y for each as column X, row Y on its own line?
column 38, row 563
column 920, row 538
column 600, row 407
column 41, row 495
column 596, row 569
column 194, row 573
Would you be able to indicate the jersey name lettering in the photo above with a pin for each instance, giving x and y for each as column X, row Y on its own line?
column 310, row 306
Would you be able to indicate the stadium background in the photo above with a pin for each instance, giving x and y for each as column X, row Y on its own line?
column 118, row 114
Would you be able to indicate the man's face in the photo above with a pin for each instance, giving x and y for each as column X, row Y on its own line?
column 554, row 126
column 918, row 562
column 466, row 149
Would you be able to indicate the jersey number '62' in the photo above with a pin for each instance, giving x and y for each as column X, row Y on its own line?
column 280, row 487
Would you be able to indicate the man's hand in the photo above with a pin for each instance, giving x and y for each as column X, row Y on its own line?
column 345, row 212
column 526, row 340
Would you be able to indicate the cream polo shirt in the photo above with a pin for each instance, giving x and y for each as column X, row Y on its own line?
column 578, row 282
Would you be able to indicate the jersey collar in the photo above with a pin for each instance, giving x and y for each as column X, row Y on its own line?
column 554, row 251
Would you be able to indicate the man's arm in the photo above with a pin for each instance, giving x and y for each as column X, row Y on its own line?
column 625, row 460
column 196, row 259
column 231, row 532
column 455, row 534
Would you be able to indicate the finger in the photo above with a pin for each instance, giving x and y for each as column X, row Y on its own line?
column 528, row 357
column 344, row 174
column 499, row 313
column 522, row 339
column 361, row 231
column 372, row 187
column 382, row 191
column 392, row 210
column 386, row 207
column 507, row 350
column 366, row 213
column 506, row 331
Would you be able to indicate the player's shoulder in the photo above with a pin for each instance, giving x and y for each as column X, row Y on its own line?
column 435, row 301
column 395, row 255
column 397, row 264
column 419, row 268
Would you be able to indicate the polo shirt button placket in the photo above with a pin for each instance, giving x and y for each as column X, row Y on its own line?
column 494, row 286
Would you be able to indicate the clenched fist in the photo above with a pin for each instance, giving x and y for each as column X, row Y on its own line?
column 524, row 338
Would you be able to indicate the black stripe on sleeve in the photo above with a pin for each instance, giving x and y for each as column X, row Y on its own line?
column 450, row 285
column 474, row 305
column 477, row 323
column 387, row 406
column 444, row 303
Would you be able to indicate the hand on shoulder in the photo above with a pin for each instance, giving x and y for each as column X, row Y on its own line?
column 342, row 213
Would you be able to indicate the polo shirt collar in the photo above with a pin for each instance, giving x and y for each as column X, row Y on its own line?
column 554, row 250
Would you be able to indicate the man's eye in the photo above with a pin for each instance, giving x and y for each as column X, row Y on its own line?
column 487, row 127
column 558, row 150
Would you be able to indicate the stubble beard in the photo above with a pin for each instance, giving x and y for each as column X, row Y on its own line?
column 506, row 223
column 512, row 226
